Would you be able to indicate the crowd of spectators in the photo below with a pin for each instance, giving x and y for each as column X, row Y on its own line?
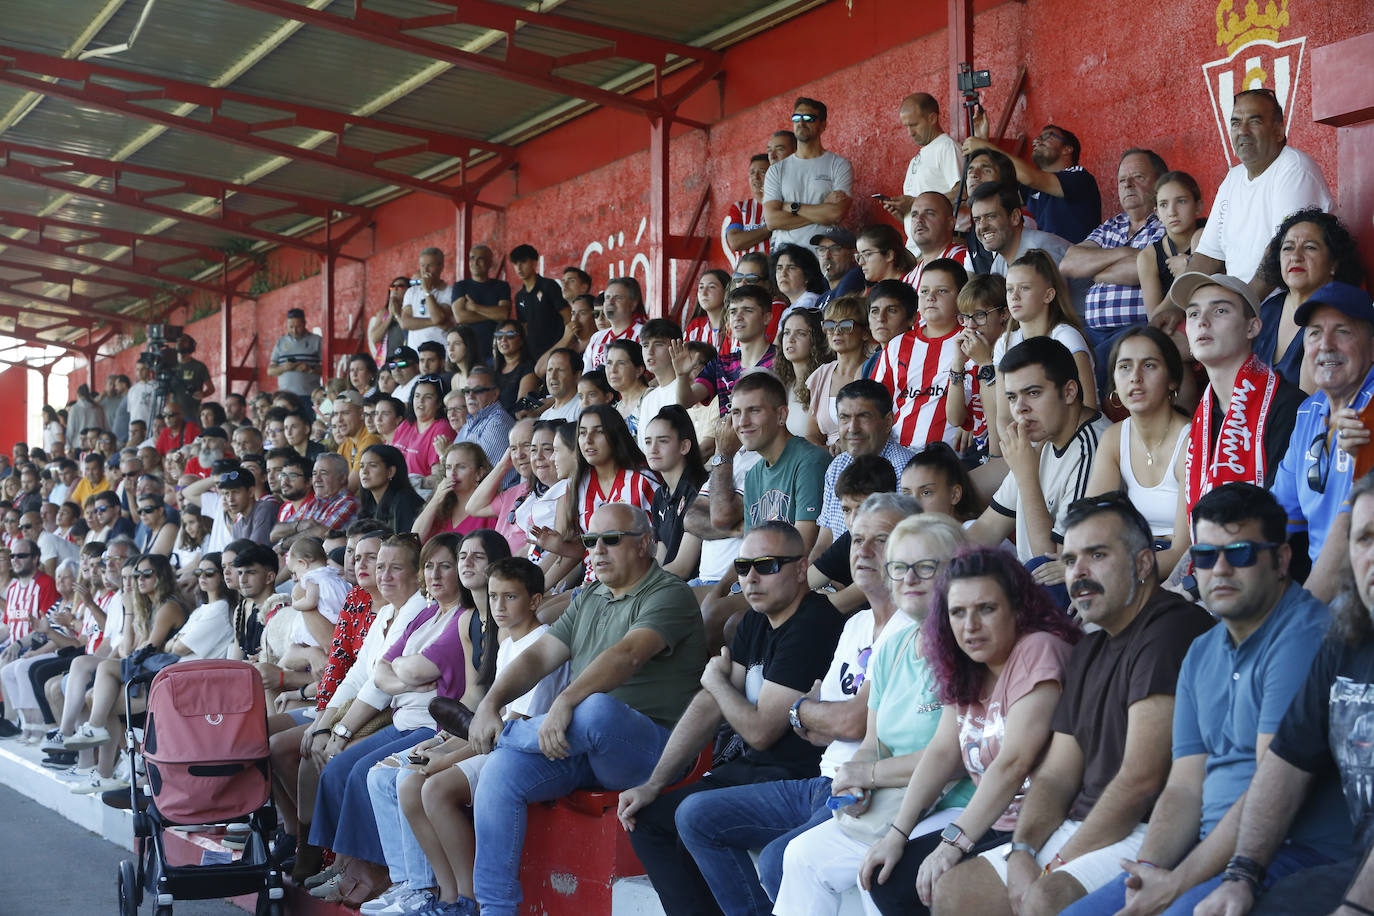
column 1015, row 560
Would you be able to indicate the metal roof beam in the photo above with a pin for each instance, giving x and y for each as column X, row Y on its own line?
column 48, row 274
column 68, row 279
column 105, row 235
column 19, row 311
column 231, row 130
column 520, row 66
column 57, row 249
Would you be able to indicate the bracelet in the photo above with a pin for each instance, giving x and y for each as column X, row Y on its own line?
column 893, row 826
column 1147, row 864
column 1243, row 868
column 1359, row 908
column 320, row 731
column 873, row 774
column 956, row 375
column 303, row 696
column 281, row 680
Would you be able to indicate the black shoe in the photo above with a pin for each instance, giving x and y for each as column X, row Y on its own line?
column 451, row 715
column 60, row 760
column 8, row 729
column 119, row 799
column 284, row 849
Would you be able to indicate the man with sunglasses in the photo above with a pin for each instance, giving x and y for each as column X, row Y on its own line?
column 404, row 364
column 30, row 593
column 1235, row 684
column 1316, row 473
column 1062, row 196
column 177, row 431
column 809, row 188
column 637, row 648
column 998, row 221
column 1108, row 755
column 745, row 228
column 109, row 520
column 777, row 653
column 488, row 422
column 835, row 247
column 1271, row 180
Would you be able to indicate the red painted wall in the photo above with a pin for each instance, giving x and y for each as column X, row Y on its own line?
column 1116, row 76
column 14, row 407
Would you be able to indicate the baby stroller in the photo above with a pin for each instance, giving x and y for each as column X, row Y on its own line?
column 206, row 757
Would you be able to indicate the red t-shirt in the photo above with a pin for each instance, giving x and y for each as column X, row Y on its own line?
column 168, row 440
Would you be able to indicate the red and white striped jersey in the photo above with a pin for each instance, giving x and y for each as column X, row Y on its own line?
column 975, row 420
column 700, row 330
column 24, row 601
column 634, row 488
column 916, row 370
column 954, row 250
column 595, row 354
column 746, row 215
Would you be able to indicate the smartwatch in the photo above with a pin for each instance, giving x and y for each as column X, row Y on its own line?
column 342, row 731
column 794, row 715
column 1014, row 848
column 954, row 835
column 795, row 207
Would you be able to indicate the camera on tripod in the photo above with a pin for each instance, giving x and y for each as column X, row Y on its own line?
column 161, row 356
column 971, row 80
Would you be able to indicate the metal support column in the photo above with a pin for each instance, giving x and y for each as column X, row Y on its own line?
column 463, row 239
column 960, row 51
column 328, row 348
column 659, row 286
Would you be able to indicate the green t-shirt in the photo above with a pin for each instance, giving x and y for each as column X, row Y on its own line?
column 902, row 691
column 792, row 489
column 666, row 683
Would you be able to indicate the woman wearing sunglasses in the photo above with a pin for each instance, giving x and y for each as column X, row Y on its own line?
column 903, row 712
column 845, row 326
column 155, row 532
column 208, row 632
column 510, row 355
column 1140, row 455
column 425, row 434
column 996, row 647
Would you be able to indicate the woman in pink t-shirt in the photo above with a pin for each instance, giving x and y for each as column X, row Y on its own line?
column 997, row 646
column 465, row 464
column 425, row 433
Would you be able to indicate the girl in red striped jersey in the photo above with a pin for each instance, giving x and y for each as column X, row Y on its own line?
column 708, row 323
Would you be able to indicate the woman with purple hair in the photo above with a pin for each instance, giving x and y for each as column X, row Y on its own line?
column 997, row 646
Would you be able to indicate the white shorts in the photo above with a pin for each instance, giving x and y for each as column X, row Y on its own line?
column 472, row 768
column 1091, row 870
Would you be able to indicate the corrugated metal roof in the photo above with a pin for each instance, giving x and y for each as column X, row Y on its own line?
column 247, row 51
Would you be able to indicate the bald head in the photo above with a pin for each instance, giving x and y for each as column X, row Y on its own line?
column 621, row 565
column 932, row 223
column 920, row 115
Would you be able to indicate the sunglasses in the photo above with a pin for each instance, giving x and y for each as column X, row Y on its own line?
column 1240, row 554
column 144, row 574
column 804, row 118
column 482, row 390
column 205, row 573
column 22, row 555
column 505, row 335
column 764, row 566
column 170, row 416
column 1319, row 454
column 146, row 510
column 980, row 317
column 101, row 510
column 924, row 569
column 610, row 538
column 749, row 278
column 844, row 326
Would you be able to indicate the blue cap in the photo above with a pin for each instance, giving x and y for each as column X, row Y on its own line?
column 1351, row 301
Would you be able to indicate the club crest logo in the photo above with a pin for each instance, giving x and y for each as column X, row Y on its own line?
column 1256, row 59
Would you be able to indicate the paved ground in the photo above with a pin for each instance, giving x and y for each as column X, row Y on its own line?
column 40, row 845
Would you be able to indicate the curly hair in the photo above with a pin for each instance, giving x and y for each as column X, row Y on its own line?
column 959, row 679
column 1345, row 257
column 820, row 353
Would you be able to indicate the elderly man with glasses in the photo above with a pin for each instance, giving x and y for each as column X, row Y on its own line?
column 637, row 648
column 488, row 422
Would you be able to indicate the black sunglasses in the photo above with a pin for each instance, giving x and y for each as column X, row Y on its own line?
column 482, row 390
column 764, row 566
column 808, row 118
column 611, row 538
column 1319, row 453
column 22, row 555
column 1240, row 554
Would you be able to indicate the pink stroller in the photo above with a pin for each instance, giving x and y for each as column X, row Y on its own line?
column 207, row 761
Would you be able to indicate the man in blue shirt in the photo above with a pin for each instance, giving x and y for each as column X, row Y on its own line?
column 1314, row 478
column 1236, row 682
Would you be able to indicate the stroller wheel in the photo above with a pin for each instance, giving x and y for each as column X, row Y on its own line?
column 269, row 907
column 163, row 911
column 128, row 889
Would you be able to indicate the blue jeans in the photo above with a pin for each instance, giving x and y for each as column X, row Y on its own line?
column 612, row 746
column 719, row 828
column 343, row 817
column 1105, row 901
column 405, row 860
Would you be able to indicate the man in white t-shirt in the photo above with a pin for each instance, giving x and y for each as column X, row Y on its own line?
column 561, row 371
column 1271, row 181
column 935, row 168
column 52, row 549
column 1049, row 445
column 426, row 309
column 655, row 338
column 811, row 187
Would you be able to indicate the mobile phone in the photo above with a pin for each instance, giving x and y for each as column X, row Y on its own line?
column 881, row 197
column 836, row 802
column 419, row 759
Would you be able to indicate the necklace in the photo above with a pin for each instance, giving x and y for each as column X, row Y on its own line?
column 1149, row 452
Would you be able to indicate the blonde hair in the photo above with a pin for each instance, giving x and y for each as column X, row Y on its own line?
column 941, row 530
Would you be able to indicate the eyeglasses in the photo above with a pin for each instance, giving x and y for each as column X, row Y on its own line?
column 764, row 566
column 144, row 574
column 1240, row 554
column 204, row 573
column 924, row 569
column 980, row 317
column 610, row 538
column 25, row 526
column 844, row 326
column 1319, row 454
column 482, row 390
column 862, row 256
column 807, row 118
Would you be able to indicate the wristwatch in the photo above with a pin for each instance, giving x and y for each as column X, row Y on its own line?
column 795, row 207
column 954, row 835
column 1014, row 848
column 718, row 459
column 987, row 373
column 343, row 731
column 794, row 715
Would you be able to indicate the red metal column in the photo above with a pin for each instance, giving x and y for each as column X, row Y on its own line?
column 327, row 278
column 960, row 51
column 660, row 231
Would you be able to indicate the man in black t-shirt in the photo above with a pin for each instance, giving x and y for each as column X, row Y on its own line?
column 1327, row 733
column 539, row 301
column 778, row 652
column 190, row 378
column 481, row 300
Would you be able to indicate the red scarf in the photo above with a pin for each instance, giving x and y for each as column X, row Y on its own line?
column 1239, row 451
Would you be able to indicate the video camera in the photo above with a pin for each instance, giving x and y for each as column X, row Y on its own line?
column 161, row 356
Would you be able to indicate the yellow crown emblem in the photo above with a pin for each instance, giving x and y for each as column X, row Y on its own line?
column 1235, row 31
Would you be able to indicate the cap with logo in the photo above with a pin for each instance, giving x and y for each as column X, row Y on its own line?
column 403, row 356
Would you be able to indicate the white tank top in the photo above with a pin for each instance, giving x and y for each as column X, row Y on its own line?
column 1158, row 503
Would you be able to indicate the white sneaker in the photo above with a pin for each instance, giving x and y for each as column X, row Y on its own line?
column 86, row 735
column 410, row 904
column 77, row 773
column 99, row 785
column 388, row 897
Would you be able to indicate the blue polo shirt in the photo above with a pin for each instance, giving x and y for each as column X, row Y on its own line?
column 1228, row 694
column 1306, row 507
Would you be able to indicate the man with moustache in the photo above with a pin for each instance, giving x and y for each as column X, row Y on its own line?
column 1323, row 738
column 1237, row 681
column 1109, row 749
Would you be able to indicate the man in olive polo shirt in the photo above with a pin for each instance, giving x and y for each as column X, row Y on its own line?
column 637, row 647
